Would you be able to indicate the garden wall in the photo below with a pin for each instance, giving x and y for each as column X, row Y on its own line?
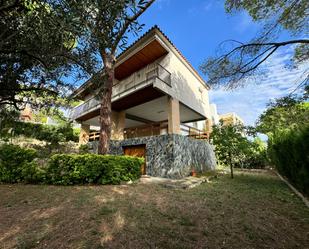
column 171, row 156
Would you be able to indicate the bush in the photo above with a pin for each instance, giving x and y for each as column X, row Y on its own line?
column 289, row 152
column 20, row 165
column 49, row 133
column 90, row 168
column 83, row 149
column 16, row 164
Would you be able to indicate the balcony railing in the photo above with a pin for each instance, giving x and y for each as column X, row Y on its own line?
column 146, row 130
column 155, row 129
column 121, row 88
column 193, row 132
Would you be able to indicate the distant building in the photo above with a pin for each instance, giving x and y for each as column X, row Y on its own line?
column 231, row 119
column 227, row 119
column 26, row 114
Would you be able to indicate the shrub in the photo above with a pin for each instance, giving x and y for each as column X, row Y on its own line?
column 83, row 149
column 289, row 152
column 49, row 133
column 16, row 164
column 20, row 165
column 90, row 168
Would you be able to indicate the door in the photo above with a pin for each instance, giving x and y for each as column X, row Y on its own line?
column 138, row 151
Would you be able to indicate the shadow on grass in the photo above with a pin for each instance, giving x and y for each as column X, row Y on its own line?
column 249, row 211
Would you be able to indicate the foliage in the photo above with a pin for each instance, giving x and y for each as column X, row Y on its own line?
column 238, row 61
column 103, row 28
column 16, row 164
column 49, row 133
column 291, row 15
column 20, row 165
column 38, row 53
column 233, row 148
column 56, row 40
column 54, row 113
column 83, row 149
column 90, row 168
column 289, row 152
column 286, row 122
column 8, row 117
column 284, row 114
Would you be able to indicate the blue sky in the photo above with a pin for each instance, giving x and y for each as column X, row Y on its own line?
column 196, row 27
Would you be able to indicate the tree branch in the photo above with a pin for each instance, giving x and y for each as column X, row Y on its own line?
column 127, row 23
column 241, row 61
column 9, row 6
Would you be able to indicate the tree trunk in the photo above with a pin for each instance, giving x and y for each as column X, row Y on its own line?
column 231, row 165
column 106, row 106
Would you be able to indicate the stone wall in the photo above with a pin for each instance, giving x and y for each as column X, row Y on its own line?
column 172, row 156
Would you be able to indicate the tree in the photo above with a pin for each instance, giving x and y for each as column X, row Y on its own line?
column 283, row 114
column 237, row 61
column 234, row 149
column 53, row 40
column 105, row 26
column 286, row 123
column 37, row 53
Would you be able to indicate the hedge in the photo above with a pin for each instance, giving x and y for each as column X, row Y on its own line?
column 19, row 165
column 90, row 168
column 16, row 164
column 48, row 133
column 289, row 152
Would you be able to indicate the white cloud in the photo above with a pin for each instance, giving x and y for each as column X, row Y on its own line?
column 249, row 102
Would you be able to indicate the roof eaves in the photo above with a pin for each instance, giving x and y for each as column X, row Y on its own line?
column 152, row 29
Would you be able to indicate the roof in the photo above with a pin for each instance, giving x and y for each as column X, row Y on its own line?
column 151, row 30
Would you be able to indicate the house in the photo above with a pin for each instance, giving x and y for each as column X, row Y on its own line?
column 226, row 119
column 159, row 100
column 230, row 119
column 26, row 114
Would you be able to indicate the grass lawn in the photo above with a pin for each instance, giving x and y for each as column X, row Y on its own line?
column 254, row 210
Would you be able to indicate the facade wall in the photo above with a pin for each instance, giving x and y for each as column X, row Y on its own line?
column 186, row 87
column 171, row 156
column 231, row 119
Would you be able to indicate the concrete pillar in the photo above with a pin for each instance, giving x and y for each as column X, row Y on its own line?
column 173, row 116
column 118, row 125
column 84, row 134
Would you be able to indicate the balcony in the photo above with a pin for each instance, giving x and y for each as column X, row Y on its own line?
column 146, row 130
column 156, row 129
column 138, row 80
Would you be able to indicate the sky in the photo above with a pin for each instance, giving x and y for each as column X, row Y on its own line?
column 197, row 27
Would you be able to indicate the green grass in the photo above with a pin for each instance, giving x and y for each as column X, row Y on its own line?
column 254, row 210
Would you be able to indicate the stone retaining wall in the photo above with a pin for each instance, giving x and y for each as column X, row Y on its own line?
column 171, row 156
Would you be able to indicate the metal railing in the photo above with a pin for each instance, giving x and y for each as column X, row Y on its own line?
column 155, row 129
column 193, row 132
column 134, row 82
column 85, row 107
